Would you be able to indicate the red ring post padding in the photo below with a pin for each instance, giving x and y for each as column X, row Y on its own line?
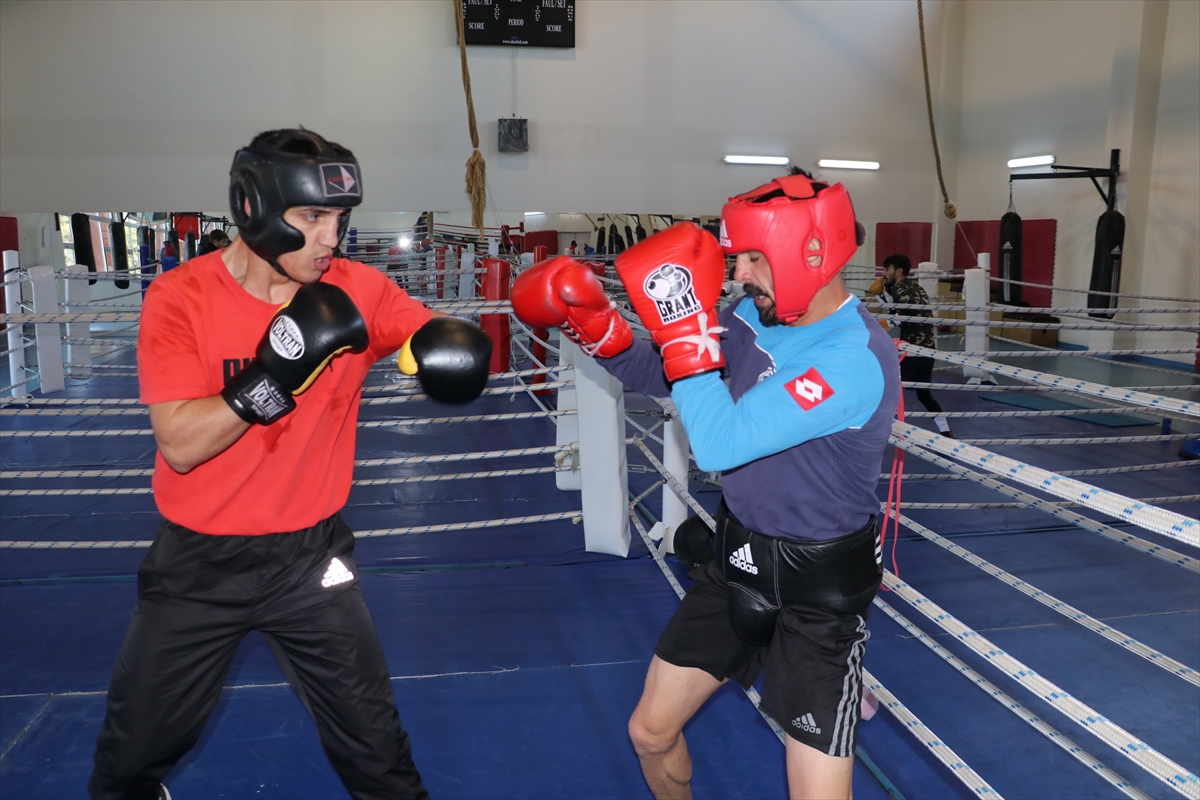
column 440, row 266
column 496, row 326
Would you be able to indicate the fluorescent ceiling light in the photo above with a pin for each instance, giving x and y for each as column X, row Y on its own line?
column 774, row 161
column 1032, row 161
column 834, row 163
column 533, row 213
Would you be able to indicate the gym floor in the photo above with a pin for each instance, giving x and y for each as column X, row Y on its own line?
column 517, row 657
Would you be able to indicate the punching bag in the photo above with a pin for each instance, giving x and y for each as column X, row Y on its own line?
column 190, row 246
column 146, row 250
column 1106, row 263
column 120, row 253
column 615, row 243
column 600, row 234
column 1011, row 252
column 81, row 235
column 640, row 231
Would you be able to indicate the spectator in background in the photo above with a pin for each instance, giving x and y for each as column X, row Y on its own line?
column 897, row 287
column 573, row 249
column 213, row 240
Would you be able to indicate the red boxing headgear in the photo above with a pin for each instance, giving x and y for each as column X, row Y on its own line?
column 805, row 228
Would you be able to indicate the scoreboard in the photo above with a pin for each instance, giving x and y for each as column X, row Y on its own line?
column 526, row 23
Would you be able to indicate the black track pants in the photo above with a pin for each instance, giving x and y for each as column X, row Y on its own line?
column 198, row 595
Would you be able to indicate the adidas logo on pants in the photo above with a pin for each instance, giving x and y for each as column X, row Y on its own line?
column 337, row 573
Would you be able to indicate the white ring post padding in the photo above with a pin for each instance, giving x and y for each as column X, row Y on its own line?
column 603, row 471
column 940, row 750
column 1064, row 384
column 1121, row 740
column 566, row 425
column 675, row 460
column 1167, row 523
column 49, row 336
column 975, row 287
column 1120, row 537
column 1034, row 721
column 77, row 294
column 16, row 339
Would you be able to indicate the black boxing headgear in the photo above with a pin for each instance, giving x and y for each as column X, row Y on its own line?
column 284, row 169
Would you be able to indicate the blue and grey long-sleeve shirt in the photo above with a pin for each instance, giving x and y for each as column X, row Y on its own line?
column 800, row 431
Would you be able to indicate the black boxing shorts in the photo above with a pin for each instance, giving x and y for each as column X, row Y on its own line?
column 809, row 601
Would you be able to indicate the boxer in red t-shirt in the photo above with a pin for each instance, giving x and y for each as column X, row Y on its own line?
column 252, row 360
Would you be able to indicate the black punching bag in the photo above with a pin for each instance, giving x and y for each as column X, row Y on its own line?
column 120, row 252
column 1011, row 253
column 81, row 235
column 600, row 234
column 1106, row 263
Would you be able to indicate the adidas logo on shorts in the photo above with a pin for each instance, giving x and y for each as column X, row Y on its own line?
column 807, row 723
column 337, row 573
column 742, row 559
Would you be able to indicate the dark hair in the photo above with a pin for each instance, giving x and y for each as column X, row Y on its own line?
column 218, row 235
column 900, row 262
column 299, row 141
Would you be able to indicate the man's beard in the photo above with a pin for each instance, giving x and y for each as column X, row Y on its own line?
column 766, row 315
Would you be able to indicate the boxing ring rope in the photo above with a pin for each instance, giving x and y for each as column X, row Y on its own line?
column 1057, row 381
column 962, row 387
column 1167, row 523
column 1108, row 532
column 1180, row 498
column 1034, row 721
column 1070, row 612
column 1074, row 473
column 1121, row 740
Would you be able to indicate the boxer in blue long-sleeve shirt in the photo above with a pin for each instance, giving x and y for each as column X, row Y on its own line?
column 798, row 433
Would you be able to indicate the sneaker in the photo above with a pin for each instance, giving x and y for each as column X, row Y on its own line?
column 948, row 434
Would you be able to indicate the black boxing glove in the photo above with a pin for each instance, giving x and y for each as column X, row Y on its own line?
column 450, row 358
column 318, row 323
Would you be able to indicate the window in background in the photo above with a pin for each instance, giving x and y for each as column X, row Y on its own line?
column 64, row 227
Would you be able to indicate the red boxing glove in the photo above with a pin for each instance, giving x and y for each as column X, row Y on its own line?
column 674, row 280
column 562, row 293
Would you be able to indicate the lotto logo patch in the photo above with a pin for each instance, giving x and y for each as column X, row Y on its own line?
column 809, row 390
column 670, row 287
column 340, row 180
column 286, row 338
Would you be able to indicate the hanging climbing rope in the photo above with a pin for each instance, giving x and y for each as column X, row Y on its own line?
column 476, row 168
column 950, row 211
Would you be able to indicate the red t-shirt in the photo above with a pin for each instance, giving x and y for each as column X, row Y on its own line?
column 198, row 326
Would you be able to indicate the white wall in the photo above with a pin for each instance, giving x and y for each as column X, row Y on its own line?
column 140, row 105
column 1075, row 78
